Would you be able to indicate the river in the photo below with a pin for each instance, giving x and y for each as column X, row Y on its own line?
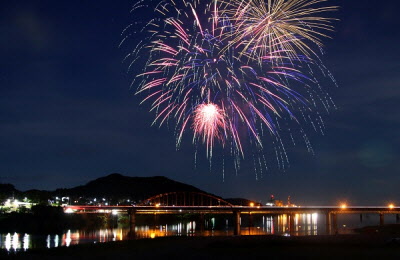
column 305, row 225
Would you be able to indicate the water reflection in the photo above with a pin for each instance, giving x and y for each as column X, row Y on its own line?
column 302, row 224
column 306, row 224
column 26, row 241
column 56, row 240
column 8, row 242
column 15, row 241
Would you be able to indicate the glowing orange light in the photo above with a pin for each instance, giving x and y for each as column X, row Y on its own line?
column 252, row 204
column 343, row 206
column 157, row 205
column 152, row 235
column 391, row 206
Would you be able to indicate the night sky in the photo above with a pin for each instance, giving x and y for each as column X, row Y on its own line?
column 68, row 114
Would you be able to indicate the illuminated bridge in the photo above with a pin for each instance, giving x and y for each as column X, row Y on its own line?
column 201, row 204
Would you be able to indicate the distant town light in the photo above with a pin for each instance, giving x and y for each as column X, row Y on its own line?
column 391, row 206
column 158, row 205
column 252, row 204
column 343, row 206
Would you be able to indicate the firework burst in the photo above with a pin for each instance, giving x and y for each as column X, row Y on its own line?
column 209, row 123
column 268, row 26
column 199, row 75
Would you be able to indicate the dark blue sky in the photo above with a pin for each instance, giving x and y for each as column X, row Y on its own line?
column 67, row 114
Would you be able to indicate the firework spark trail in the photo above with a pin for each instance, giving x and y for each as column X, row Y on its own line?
column 266, row 26
column 206, row 72
column 209, row 123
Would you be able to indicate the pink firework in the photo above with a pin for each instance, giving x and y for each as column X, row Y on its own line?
column 209, row 124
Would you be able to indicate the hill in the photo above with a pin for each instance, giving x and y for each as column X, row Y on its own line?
column 114, row 187
column 7, row 191
column 118, row 186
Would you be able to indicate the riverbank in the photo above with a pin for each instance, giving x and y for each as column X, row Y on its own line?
column 52, row 220
column 234, row 247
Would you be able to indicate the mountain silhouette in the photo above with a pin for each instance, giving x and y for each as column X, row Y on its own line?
column 119, row 186
column 113, row 187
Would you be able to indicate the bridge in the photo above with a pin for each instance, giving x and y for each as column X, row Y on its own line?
column 201, row 204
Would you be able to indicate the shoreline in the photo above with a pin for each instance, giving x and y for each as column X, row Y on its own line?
column 229, row 247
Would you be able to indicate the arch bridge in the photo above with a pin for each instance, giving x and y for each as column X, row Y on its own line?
column 185, row 199
column 203, row 203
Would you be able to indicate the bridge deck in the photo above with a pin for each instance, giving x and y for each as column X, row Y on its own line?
column 241, row 209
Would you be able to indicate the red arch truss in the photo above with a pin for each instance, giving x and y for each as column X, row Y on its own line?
column 186, row 199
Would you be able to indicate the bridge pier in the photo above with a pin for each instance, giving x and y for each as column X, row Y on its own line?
column 275, row 226
column 328, row 223
column 291, row 223
column 202, row 222
column 156, row 220
column 236, row 229
column 113, row 220
column 132, row 224
column 381, row 219
column 250, row 222
column 335, row 224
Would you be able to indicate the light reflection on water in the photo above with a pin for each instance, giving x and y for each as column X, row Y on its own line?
column 15, row 241
column 304, row 224
column 263, row 225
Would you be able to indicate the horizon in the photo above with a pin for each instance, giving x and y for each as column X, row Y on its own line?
column 337, row 203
